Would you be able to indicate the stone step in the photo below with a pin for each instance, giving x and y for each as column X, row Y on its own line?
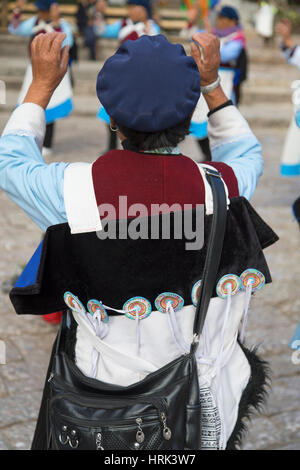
column 251, row 93
column 259, row 75
column 15, row 46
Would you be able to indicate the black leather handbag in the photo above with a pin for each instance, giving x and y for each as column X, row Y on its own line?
column 160, row 412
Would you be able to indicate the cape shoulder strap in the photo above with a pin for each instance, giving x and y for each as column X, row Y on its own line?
column 214, row 250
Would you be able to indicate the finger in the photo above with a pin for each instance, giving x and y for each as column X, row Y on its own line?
column 33, row 47
column 64, row 58
column 57, row 43
column 36, row 44
column 196, row 53
column 41, row 42
column 49, row 41
column 207, row 41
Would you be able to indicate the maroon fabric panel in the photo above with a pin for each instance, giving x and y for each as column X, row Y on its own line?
column 152, row 179
column 133, row 36
column 228, row 176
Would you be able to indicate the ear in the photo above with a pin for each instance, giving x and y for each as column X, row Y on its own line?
column 112, row 122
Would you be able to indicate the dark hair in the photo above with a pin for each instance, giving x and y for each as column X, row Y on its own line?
column 153, row 140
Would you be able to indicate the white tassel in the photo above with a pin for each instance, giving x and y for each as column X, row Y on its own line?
column 220, row 398
column 175, row 330
column 246, row 309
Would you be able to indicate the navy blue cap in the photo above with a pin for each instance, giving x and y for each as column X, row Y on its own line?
column 229, row 12
column 142, row 3
column 44, row 4
column 149, row 84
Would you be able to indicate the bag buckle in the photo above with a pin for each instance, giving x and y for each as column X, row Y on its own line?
column 195, row 338
column 210, row 172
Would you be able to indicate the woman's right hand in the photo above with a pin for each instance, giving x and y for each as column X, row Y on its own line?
column 20, row 4
column 284, row 29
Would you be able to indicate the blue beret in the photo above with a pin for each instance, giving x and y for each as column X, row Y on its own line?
column 149, row 84
column 143, row 3
column 229, row 12
column 44, row 4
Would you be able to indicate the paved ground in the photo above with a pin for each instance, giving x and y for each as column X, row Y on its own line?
column 275, row 312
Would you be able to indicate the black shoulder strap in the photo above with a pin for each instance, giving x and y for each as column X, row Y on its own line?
column 214, row 249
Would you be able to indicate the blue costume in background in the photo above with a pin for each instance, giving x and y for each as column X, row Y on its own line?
column 61, row 103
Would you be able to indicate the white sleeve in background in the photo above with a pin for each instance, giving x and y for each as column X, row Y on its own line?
column 69, row 41
column 294, row 59
column 232, row 142
column 28, row 119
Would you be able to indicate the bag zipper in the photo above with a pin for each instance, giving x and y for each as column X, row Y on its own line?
column 154, row 400
column 151, row 419
column 157, row 402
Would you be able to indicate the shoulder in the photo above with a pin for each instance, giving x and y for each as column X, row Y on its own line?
column 228, row 176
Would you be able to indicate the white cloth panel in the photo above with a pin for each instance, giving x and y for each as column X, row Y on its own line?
column 80, row 201
column 62, row 93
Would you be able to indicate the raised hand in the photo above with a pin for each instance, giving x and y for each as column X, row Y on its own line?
column 49, row 65
column 20, row 4
column 284, row 29
column 207, row 57
column 208, row 60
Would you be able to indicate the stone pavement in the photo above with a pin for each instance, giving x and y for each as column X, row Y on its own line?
column 274, row 313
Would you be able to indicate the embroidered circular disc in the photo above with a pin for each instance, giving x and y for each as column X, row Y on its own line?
column 96, row 306
column 138, row 305
column 256, row 277
column 73, row 302
column 162, row 300
column 222, row 289
column 195, row 292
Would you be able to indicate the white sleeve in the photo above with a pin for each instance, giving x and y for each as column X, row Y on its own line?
column 233, row 142
column 27, row 119
column 227, row 125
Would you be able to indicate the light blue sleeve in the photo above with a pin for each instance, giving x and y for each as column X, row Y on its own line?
column 34, row 186
column 230, row 51
column 244, row 156
column 232, row 142
column 294, row 59
column 24, row 28
column 112, row 30
column 69, row 41
column 157, row 28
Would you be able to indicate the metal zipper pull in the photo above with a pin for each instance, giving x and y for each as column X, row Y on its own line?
column 99, row 441
column 167, row 433
column 50, row 377
column 140, row 436
column 73, row 440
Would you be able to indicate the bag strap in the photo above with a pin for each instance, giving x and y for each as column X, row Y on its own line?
column 214, row 250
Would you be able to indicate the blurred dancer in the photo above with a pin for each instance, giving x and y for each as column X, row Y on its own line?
column 264, row 21
column 196, row 10
column 90, row 20
column 233, row 69
column 290, row 162
column 47, row 20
